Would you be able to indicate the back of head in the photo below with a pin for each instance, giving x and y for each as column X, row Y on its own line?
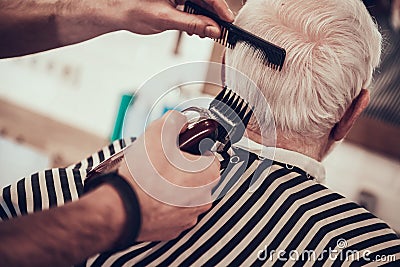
column 332, row 48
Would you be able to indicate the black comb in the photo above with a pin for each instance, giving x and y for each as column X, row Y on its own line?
column 273, row 56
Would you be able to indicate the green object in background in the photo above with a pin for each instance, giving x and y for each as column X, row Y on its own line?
column 126, row 101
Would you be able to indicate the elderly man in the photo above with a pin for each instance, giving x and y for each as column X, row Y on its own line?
column 290, row 217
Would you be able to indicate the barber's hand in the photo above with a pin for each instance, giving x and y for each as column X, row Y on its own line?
column 154, row 16
column 160, row 173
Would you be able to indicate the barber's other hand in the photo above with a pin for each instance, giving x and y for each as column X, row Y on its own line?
column 158, row 171
column 154, row 16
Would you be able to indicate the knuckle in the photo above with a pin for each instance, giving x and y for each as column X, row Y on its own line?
column 175, row 234
column 205, row 208
column 162, row 15
column 174, row 116
column 217, row 165
column 191, row 224
column 170, row 114
column 214, row 170
column 171, row 235
column 193, row 26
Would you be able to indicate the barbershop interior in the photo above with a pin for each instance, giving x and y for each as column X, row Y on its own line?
column 60, row 106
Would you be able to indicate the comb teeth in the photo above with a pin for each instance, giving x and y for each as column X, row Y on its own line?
column 221, row 94
column 243, row 112
column 235, row 104
column 273, row 56
column 233, row 115
column 239, row 106
column 232, row 107
column 247, row 117
column 227, row 96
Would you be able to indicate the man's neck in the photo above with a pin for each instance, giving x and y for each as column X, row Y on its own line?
column 316, row 150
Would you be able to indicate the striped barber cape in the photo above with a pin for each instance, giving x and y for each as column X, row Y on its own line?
column 289, row 219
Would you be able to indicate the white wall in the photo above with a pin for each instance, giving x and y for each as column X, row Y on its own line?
column 18, row 160
column 81, row 85
column 352, row 169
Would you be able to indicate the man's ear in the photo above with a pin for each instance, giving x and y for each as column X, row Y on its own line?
column 350, row 116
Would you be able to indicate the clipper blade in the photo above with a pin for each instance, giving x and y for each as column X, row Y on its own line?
column 233, row 114
column 224, row 123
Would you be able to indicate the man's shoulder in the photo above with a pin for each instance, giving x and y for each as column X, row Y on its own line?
column 318, row 200
column 333, row 221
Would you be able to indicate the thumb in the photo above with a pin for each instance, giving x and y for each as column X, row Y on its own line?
column 194, row 24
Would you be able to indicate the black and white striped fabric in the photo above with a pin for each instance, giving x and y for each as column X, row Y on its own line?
column 288, row 214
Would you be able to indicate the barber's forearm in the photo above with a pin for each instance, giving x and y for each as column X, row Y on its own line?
column 66, row 235
column 33, row 26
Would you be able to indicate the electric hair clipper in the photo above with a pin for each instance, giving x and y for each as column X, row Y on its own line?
column 218, row 127
column 213, row 129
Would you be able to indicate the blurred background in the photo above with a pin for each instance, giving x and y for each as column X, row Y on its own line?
column 60, row 106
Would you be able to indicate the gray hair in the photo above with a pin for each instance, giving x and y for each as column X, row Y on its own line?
column 333, row 47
